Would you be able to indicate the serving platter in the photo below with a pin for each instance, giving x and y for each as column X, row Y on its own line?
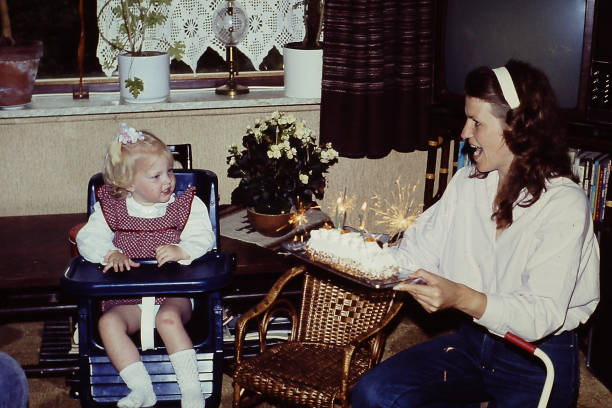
column 299, row 252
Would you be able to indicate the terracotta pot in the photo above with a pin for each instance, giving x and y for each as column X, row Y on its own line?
column 270, row 225
column 18, row 69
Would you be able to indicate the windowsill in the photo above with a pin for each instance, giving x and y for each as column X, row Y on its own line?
column 180, row 99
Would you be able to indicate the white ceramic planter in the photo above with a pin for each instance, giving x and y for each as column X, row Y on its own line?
column 153, row 70
column 303, row 71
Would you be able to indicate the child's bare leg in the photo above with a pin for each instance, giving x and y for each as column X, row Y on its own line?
column 114, row 326
column 169, row 322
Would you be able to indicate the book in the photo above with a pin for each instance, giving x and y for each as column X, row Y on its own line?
column 604, row 190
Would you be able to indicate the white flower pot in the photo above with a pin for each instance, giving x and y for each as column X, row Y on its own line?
column 154, row 71
column 303, row 71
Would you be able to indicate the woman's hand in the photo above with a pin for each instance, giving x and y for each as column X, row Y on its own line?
column 170, row 253
column 440, row 293
column 118, row 261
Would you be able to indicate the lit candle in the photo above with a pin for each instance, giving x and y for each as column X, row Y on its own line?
column 362, row 216
column 338, row 203
column 343, row 209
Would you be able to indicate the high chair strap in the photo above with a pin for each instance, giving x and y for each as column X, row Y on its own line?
column 147, row 323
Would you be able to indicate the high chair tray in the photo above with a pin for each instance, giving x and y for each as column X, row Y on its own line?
column 207, row 273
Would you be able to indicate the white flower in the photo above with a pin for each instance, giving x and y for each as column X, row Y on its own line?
column 274, row 152
column 304, row 178
column 291, row 153
column 328, row 155
column 232, row 161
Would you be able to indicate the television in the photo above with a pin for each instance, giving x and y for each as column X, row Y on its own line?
column 561, row 37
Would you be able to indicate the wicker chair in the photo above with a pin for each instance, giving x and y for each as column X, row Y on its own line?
column 337, row 337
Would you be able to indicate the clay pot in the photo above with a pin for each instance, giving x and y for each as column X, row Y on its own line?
column 270, row 225
column 18, row 69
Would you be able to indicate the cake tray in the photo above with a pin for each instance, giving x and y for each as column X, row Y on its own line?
column 387, row 283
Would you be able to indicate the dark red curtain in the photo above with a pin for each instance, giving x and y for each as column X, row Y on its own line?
column 377, row 76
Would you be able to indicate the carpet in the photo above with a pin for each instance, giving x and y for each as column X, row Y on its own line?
column 22, row 341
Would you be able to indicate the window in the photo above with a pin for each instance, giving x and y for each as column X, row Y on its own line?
column 57, row 24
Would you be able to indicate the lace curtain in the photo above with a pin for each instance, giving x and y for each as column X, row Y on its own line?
column 272, row 23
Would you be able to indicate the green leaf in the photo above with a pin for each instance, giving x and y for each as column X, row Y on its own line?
column 155, row 18
column 177, row 50
column 135, row 86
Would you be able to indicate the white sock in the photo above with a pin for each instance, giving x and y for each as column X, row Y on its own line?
column 138, row 381
column 185, row 366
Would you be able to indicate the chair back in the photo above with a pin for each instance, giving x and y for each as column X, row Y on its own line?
column 206, row 184
column 334, row 314
column 182, row 154
column 442, row 160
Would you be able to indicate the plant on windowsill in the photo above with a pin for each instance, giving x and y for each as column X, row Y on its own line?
column 18, row 64
column 303, row 61
column 136, row 18
column 279, row 163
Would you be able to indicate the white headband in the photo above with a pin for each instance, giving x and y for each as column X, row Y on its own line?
column 507, row 87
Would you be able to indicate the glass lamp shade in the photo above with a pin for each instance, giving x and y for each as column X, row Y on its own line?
column 230, row 22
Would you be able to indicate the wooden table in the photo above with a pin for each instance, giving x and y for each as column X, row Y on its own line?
column 35, row 251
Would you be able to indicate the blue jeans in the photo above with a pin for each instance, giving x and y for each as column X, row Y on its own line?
column 13, row 383
column 470, row 366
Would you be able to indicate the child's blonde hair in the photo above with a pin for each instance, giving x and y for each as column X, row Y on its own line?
column 122, row 157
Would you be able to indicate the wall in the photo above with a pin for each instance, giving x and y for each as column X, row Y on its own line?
column 46, row 162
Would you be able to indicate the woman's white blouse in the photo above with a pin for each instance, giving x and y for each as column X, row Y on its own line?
column 540, row 276
column 95, row 239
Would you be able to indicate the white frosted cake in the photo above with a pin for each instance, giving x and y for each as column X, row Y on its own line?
column 351, row 253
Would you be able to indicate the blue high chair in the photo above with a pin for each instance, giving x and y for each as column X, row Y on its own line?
column 99, row 383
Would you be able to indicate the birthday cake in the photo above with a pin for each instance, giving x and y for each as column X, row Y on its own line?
column 352, row 253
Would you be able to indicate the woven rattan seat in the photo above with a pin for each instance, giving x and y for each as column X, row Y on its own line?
column 337, row 336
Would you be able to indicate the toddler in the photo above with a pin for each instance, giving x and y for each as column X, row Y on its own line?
column 139, row 216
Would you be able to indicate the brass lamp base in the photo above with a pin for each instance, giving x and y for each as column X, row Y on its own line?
column 232, row 89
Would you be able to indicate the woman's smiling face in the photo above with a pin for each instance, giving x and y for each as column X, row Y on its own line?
column 484, row 132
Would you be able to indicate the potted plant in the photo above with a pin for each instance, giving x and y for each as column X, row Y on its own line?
column 18, row 65
column 279, row 164
column 144, row 75
column 303, row 61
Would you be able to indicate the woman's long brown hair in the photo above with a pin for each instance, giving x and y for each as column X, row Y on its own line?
column 535, row 134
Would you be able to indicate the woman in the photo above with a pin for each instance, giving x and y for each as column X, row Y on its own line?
column 511, row 245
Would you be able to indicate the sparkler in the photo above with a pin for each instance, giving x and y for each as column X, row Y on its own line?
column 298, row 220
column 399, row 212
